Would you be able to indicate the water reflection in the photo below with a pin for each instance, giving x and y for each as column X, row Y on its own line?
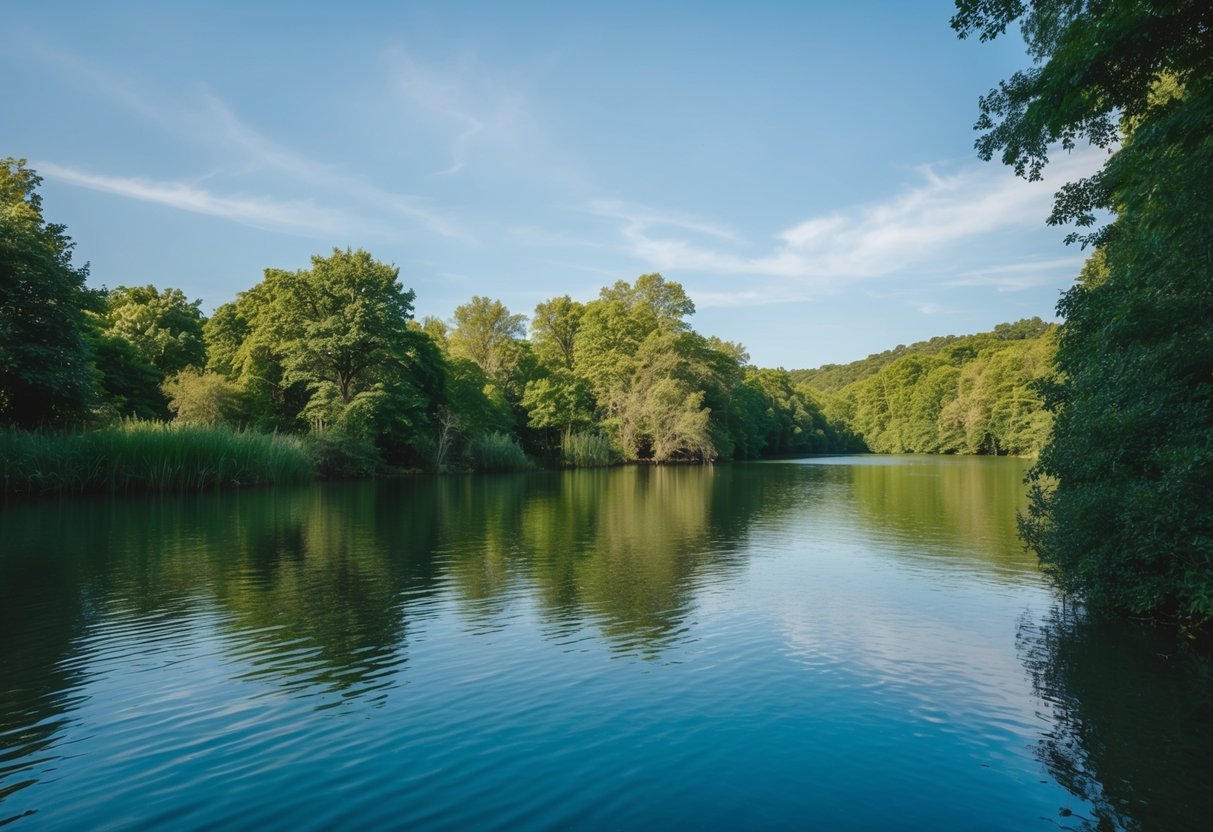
column 939, row 507
column 333, row 598
column 1132, row 719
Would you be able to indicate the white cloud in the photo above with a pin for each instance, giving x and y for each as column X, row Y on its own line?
column 265, row 154
column 294, row 216
column 211, row 123
column 940, row 215
column 1016, row 277
column 465, row 105
column 639, row 219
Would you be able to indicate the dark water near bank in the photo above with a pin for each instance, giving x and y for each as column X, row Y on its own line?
column 851, row 643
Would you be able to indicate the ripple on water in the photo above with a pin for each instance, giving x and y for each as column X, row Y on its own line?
column 737, row 647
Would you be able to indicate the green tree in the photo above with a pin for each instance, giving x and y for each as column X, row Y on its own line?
column 339, row 321
column 127, row 386
column 202, row 398
column 46, row 375
column 164, row 326
column 487, row 333
column 1121, row 510
column 554, row 331
column 332, row 346
column 558, row 401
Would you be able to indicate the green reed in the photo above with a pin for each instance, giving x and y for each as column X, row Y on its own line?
column 147, row 456
column 586, row 450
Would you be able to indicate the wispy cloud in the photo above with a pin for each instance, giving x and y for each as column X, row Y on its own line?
column 939, row 215
column 292, row 216
column 465, row 105
column 263, row 153
column 208, row 121
column 1016, row 277
column 639, row 221
column 927, row 307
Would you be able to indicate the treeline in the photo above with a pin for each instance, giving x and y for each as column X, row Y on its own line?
column 334, row 349
column 333, row 353
column 972, row 394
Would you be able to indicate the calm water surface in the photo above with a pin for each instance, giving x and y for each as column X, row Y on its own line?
column 837, row 643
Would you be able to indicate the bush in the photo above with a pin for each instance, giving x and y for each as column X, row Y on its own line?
column 146, row 456
column 498, row 452
column 340, row 456
column 586, row 450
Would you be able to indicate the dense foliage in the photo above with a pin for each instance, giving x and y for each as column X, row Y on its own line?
column 1122, row 511
column 45, row 372
column 973, row 394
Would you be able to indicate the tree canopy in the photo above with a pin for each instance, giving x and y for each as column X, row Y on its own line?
column 1121, row 511
column 45, row 372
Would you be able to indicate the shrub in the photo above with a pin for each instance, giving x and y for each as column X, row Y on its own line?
column 498, row 452
column 337, row 455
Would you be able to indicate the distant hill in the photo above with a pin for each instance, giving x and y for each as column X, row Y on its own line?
column 830, row 378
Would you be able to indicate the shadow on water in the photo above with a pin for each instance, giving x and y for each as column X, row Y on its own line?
column 1132, row 719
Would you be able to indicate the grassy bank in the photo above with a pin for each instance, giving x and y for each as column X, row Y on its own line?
column 142, row 456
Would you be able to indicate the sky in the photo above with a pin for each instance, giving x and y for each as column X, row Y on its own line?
column 804, row 169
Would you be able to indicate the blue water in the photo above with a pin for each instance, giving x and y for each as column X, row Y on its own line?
column 827, row 643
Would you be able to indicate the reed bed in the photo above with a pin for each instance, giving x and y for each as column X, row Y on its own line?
column 147, row 456
column 586, row 450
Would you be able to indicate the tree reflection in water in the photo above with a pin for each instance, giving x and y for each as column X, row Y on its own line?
column 1132, row 719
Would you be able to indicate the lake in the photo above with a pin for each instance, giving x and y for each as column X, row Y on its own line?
column 840, row 643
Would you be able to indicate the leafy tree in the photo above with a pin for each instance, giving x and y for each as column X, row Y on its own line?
column 486, row 333
column 202, row 398
column 559, row 401
column 339, row 321
column 244, row 345
column 554, row 331
column 46, row 375
column 164, row 326
column 615, row 325
column 1121, row 510
column 127, row 385
column 479, row 404
column 331, row 346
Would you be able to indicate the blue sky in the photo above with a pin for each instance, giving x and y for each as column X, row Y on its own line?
column 806, row 170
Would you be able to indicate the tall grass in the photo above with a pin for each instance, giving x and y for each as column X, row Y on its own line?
column 498, row 452
column 146, row 456
column 586, row 450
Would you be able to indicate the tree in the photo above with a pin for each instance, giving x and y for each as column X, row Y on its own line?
column 45, row 371
column 1121, row 513
column 164, row 326
column 332, row 347
column 554, row 331
column 614, row 326
column 340, row 320
column 202, row 398
column 485, row 332
column 127, row 386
